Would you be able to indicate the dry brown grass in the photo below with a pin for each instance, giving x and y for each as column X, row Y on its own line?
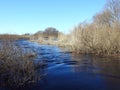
column 100, row 40
column 17, row 68
column 13, row 37
column 62, row 39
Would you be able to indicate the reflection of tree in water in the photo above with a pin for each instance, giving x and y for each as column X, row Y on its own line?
column 92, row 64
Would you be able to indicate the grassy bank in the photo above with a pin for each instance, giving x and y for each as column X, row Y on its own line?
column 13, row 37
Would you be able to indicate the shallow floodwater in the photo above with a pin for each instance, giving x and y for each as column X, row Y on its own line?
column 66, row 71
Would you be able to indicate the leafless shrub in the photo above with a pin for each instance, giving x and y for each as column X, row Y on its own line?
column 102, row 36
column 16, row 67
column 101, row 40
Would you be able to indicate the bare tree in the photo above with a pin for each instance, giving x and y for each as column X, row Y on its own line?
column 110, row 15
column 113, row 6
column 103, row 18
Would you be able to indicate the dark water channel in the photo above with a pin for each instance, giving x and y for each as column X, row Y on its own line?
column 66, row 71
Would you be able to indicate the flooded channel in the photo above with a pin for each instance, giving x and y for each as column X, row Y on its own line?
column 67, row 71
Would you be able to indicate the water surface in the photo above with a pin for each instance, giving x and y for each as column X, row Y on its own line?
column 66, row 71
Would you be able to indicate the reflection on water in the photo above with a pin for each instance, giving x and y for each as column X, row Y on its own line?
column 74, row 72
column 100, row 65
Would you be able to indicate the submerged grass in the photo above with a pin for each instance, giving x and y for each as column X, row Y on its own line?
column 17, row 68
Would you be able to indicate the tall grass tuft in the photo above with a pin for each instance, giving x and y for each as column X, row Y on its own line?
column 16, row 67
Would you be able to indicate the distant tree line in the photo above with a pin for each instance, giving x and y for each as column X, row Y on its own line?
column 48, row 32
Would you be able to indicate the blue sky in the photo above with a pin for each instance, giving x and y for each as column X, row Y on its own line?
column 29, row 16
